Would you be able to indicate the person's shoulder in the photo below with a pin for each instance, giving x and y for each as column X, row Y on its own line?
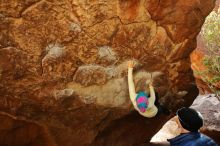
column 207, row 140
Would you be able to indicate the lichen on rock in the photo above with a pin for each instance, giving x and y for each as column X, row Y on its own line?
column 64, row 64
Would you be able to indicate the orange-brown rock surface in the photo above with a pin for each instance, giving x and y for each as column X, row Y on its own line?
column 63, row 65
column 197, row 58
column 17, row 131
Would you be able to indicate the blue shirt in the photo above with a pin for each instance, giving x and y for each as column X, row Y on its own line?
column 192, row 139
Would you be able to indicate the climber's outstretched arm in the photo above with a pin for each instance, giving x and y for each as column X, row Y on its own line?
column 131, row 86
column 152, row 96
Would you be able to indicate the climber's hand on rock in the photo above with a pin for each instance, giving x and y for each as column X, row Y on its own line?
column 149, row 83
column 131, row 64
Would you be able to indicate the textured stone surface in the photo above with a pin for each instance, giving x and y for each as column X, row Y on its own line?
column 169, row 130
column 197, row 57
column 197, row 65
column 209, row 106
column 63, row 64
column 18, row 131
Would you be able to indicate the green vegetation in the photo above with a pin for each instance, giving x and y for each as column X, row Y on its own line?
column 211, row 36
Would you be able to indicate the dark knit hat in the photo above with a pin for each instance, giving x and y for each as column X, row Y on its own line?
column 190, row 119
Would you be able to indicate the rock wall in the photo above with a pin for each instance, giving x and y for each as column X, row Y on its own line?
column 17, row 131
column 63, row 64
column 197, row 58
column 209, row 106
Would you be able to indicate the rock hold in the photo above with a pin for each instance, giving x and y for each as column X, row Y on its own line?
column 67, row 64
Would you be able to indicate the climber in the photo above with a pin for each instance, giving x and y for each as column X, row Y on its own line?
column 190, row 121
column 141, row 101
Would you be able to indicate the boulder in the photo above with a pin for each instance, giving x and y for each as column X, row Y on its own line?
column 209, row 106
column 200, row 70
column 63, row 65
column 202, row 73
